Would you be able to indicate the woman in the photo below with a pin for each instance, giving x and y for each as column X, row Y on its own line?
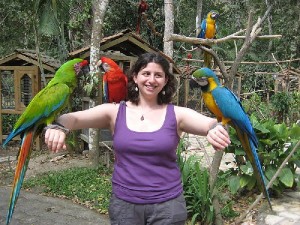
column 146, row 182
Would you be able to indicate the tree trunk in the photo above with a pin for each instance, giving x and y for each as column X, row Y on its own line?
column 169, row 27
column 198, row 16
column 270, row 27
column 99, row 9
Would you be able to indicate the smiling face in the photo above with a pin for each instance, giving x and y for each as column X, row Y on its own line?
column 151, row 80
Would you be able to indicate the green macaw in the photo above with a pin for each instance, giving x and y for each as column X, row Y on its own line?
column 40, row 112
column 226, row 106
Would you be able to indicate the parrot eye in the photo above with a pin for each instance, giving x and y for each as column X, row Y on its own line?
column 77, row 68
column 201, row 81
column 105, row 66
column 215, row 15
column 81, row 69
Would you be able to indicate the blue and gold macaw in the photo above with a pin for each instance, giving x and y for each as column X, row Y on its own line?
column 226, row 106
column 208, row 30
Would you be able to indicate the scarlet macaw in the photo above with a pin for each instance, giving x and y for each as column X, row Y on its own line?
column 208, row 30
column 143, row 7
column 226, row 106
column 40, row 112
column 114, row 81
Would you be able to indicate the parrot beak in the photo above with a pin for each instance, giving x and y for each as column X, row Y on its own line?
column 82, row 68
column 214, row 15
column 99, row 63
column 85, row 70
column 202, row 81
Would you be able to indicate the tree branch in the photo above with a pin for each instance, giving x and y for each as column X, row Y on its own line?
column 198, row 41
column 218, row 61
column 251, row 35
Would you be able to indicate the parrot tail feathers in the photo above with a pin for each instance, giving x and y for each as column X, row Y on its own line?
column 260, row 175
column 249, row 146
column 9, row 138
column 22, row 164
column 138, row 24
column 207, row 59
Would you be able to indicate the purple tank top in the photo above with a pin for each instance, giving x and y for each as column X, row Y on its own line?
column 145, row 168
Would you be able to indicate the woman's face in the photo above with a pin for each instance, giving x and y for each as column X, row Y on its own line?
column 151, row 79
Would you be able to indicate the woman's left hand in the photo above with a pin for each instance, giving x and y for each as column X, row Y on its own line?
column 218, row 137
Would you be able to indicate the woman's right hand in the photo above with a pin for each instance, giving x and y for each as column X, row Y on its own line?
column 55, row 140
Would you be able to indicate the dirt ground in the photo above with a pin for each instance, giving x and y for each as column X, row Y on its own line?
column 40, row 162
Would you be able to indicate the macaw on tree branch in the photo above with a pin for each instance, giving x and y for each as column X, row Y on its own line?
column 40, row 112
column 208, row 30
column 225, row 105
column 114, row 81
column 142, row 8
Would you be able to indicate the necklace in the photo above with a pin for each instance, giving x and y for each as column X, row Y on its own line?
column 142, row 118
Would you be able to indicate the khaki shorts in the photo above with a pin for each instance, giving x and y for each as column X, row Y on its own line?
column 172, row 212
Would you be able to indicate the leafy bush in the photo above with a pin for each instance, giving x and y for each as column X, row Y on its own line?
column 284, row 107
column 197, row 194
column 195, row 179
column 275, row 143
column 8, row 122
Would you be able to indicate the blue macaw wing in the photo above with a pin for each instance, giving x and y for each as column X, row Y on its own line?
column 202, row 30
column 231, row 107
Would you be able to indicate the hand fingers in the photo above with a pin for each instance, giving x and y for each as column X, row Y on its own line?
column 55, row 140
column 218, row 137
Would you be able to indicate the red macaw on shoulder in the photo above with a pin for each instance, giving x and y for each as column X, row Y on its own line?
column 226, row 106
column 208, row 30
column 114, row 81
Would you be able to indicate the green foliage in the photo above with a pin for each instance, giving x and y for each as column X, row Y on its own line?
column 91, row 187
column 8, row 122
column 285, row 105
column 275, row 143
column 197, row 194
column 74, row 26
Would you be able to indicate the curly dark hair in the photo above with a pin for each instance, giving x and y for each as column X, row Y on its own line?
column 140, row 64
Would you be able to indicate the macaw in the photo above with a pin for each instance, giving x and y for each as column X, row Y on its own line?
column 40, row 112
column 142, row 8
column 226, row 106
column 208, row 30
column 114, row 81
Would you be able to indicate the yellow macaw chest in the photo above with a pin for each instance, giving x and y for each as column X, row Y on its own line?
column 211, row 104
column 213, row 107
column 210, row 30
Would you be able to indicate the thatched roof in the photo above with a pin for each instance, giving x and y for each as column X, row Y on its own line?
column 126, row 43
column 24, row 57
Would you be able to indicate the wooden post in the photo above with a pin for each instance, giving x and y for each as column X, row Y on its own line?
column 1, row 132
column 239, row 86
column 186, row 91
